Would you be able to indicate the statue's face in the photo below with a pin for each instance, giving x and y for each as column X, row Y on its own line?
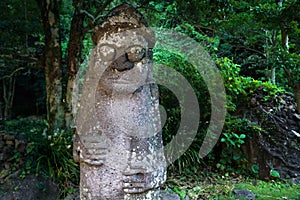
column 125, row 57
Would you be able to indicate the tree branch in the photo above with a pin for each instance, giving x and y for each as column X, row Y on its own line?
column 88, row 14
column 96, row 16
column 20, row 57
column 12, row 74
column 102, row 8
column 250, row 49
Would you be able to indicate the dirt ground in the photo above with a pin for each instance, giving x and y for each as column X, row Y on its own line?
column 29, row 188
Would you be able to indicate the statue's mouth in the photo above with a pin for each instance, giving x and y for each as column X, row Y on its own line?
column 118, row 77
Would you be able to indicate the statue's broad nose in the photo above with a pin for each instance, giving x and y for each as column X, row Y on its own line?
column 122, row 63
column 126, row 61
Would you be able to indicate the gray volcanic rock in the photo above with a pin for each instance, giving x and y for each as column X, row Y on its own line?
column 118, row 139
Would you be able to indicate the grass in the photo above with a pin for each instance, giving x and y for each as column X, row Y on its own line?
column 272, row 190
column 208, row 185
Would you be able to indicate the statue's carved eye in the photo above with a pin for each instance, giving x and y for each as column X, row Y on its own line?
column 135, row 53
column 107, row 52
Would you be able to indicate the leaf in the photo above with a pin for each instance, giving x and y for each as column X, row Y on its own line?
column 274, row 173
column 197, row 188
column 236, row 157
column 255, row 168
column 176, row 190
column 232, row 142
column 242, row 136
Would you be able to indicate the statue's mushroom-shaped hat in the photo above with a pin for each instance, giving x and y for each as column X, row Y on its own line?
column 122, row 18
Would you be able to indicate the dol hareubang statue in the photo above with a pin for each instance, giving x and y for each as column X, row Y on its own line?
column 118, row 140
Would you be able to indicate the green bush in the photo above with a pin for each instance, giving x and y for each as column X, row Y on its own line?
column 25, row 126
column 234, row 135
column 55, row 158
column 239, row 88
column 169, row 101
column 236, row 130
column 48, row 154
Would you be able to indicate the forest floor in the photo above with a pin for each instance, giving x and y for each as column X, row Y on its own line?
column 194, row 186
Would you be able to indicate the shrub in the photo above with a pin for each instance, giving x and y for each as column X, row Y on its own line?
column 48, row 154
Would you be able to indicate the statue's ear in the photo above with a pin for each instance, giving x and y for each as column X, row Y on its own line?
column 150, row 78
column 154, row 90
column 92, row 56
column 149, row 34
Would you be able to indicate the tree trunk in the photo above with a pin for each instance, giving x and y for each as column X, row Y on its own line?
column 273, row 75
column 75, row 46
column 273, row 68
column 1, row 112
column 52, row 62
column 8, row 95
column 74, row 56
column 284, row 38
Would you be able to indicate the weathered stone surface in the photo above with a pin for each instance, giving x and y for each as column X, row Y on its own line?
column 163, row 195
column 118, row 140
column 244, row 194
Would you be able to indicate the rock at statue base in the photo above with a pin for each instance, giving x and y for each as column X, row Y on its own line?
column 163, row 195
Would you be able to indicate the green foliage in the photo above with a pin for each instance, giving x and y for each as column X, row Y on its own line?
column 209, row 43
column 253, row 28
column 271, row 190
column 49, row 154
column 274, row 173
column 181, row 193
column 20, row 32
column 233, row 137
column 236, row 84
column 289, row 62
column 240, row 88
column 209, row 185
column 25, row 126
column 233, row 140
column 56, row 159
column 232, row 81
column 172, row 107
column 255, row 168
column 20, row 20
column 164, row 15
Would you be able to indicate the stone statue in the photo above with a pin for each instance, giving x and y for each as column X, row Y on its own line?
column 118, row 140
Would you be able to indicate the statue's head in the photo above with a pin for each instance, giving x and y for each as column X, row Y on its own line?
column 124, row 47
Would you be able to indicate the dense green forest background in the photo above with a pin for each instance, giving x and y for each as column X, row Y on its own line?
column 43, row 44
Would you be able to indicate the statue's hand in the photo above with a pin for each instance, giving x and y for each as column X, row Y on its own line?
column 136, row 182
column 90, row 149
column 139, row 181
